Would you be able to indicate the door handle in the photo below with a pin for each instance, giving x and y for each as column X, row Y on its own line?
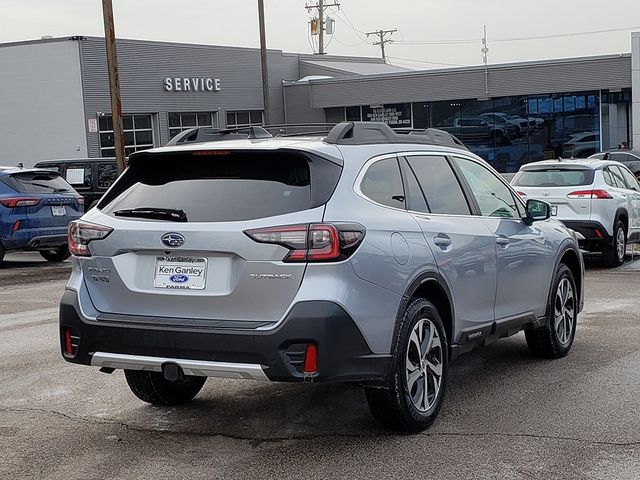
column 442, row 241
column 502, row 241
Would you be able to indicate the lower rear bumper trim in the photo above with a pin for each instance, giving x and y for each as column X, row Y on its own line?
column 198, row 368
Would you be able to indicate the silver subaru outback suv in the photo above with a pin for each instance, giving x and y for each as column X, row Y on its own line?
column 365, row 256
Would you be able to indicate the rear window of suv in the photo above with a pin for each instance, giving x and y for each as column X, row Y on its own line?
column 224, row 187
column 36, row 182
column 553, row 177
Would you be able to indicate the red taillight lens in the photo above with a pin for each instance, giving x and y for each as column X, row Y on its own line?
column 80, row 200
column 19, row 202
column 310, row 359
column 16, row 226
column 318, row 242
column 83, row 233
column 522, row 194
column 589, row 194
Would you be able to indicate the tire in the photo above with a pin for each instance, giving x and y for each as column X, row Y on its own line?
column 554, row 339
column 613, row 254
column 151, row 387
column 2, row 252
column 59, row 254
column 398, row 406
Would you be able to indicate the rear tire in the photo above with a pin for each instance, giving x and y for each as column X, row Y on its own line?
column 2, row 252
column 152, row 387
column 554, row 339
column 613, row 254
column 59, row 254
column 414, row 391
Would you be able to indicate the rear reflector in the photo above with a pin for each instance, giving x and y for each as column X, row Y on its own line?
column 589, row 194
column 16, row 226
column 71, row 340
column 19, row 202
column 310, row 359
column 522, row 194
column 598, row 233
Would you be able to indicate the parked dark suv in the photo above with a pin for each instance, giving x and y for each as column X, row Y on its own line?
column 90, row 177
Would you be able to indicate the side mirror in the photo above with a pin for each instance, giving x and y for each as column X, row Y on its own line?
column 537, row 210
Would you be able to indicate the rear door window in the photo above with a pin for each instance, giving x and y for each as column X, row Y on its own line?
column 382, row 183
column 439, row 184
column 224, row 186
column 36, row 182
column 553, row 177
column 617, row 177
column 630, row 179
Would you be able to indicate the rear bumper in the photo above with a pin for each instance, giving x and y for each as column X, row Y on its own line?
column 33, row 240
column 594, row 233
column 277, row 355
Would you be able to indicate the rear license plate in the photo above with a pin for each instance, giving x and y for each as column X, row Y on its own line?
column 58, row 211
column 554, row 210
column 184, row 273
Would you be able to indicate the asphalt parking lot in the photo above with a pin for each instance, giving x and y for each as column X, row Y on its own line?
column 507, row 415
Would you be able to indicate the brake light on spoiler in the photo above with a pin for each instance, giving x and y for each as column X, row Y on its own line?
column 316, row 242
column 589, row 194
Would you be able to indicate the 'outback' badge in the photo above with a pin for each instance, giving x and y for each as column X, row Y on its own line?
column 173, row 239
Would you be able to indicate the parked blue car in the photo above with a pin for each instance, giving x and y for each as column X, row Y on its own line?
column 36, row 207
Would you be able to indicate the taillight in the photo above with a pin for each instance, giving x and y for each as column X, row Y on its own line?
column 80, row 200
column 316, row 242
column 589, row 194
column 83, row 233
column 522, row 194
column 19, row 202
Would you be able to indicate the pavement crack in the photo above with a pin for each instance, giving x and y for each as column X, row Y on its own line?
column 281, row 438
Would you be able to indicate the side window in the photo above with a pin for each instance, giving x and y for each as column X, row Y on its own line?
column 383, row 184
column 630, row 179
column 415, row 196
column 617, row 177
column 494, row 197
column 608, row 179
column 618, row 157
column 439, row 184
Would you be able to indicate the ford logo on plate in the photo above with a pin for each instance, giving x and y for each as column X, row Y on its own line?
column 179, row 278
column 173, row 239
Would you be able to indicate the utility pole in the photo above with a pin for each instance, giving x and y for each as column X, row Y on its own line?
column 114, row 83
column 263, row 62
column 382, row 39
column 321, row 7
column 485, row 58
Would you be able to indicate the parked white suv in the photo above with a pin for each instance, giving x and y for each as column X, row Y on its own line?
column 600, row 199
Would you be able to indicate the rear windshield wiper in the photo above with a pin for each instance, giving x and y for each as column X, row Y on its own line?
column 153, row 213
column 53, row 189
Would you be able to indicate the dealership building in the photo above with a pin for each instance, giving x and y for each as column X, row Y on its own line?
column 54, row 98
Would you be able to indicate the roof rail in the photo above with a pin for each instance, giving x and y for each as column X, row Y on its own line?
column 371, row 133
column 209, row 134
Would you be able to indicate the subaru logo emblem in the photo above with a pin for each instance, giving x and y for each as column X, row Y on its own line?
column 173, row 239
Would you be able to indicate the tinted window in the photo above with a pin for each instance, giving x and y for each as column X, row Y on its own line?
column 415, row 197
column 494, row 197
column 619, row 157
column 382, row 183
column 220, row 188
column 34, row 182
column 439, row 184
column 553, row 177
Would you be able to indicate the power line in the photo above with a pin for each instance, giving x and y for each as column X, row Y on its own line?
column 427, row 62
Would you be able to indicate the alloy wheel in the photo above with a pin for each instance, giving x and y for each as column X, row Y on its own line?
column 564, row 311
column 620, row 244
column 424, row 365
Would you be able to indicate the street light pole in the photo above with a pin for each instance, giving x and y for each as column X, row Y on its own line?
column 263, row 62
column 114, row 83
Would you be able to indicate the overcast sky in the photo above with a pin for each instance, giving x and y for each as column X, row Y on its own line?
column 436, row 22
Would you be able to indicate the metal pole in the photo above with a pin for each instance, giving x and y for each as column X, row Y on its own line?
column 114, row 83
column 263, row 62
column 321, row 20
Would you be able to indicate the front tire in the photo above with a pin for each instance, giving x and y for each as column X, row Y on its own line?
column 613, row 254
column 59, row 254
column 554, row 339
column 152, row 387
column 415, row 388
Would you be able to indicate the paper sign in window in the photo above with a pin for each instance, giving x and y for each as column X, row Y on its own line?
column 75, row 176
